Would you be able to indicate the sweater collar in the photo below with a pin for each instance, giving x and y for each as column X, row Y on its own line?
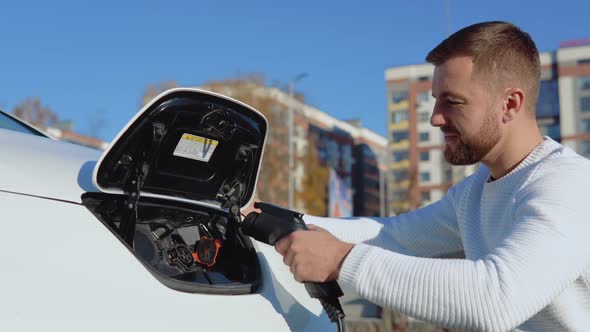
column 539, row 152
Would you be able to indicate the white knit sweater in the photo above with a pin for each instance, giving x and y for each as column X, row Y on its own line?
column 526, row 238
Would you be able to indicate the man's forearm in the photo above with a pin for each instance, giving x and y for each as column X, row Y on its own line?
column 353, row 230
column 427, row 232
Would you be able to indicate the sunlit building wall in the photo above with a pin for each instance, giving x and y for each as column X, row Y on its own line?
column 338, row 144
column 574, row 97
column 418, row 173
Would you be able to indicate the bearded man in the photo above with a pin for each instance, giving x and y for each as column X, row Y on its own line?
column 521, row 219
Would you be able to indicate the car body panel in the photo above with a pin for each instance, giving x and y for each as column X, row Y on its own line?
column 11, row 122
column 44, row 167
column 64, row 270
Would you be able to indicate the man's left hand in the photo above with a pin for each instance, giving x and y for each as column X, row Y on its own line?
column 313, row 255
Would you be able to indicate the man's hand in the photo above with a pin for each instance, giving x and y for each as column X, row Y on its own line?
column 313, row 255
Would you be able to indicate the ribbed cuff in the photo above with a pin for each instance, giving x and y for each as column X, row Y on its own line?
column 351, row 267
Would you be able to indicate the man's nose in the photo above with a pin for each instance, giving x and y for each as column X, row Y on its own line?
column 437, row 119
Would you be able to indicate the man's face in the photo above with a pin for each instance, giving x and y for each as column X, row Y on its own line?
column 466, row 111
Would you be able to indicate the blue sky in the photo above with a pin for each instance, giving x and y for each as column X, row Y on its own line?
column 93, row 60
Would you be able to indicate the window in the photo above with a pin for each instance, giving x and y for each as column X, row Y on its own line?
column 424, row 176
column 368, row 153
column 586, row 125
column 347, row 158
column 584, row 83
column 399, row 195
column 399, row 116
column 424, row 116
column 424, row 156
column 400, row 156
column 423, row 96
column 585, row 150
column 552, row 131
column 425, row 196
column 424, row 137
column 401, row 175
column 370, row 169
column 449, row 175
column 333, row 153
column 548, row 101
column 585, row 104
column 399, row 136
column 348, row 181
column 369, row 183
column 399, row 96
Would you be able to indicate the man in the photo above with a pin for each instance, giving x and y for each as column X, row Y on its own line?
column 521, row 219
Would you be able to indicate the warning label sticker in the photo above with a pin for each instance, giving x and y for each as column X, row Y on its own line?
column 195, row 147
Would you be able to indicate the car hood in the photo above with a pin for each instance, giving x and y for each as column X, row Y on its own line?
column 38, row 166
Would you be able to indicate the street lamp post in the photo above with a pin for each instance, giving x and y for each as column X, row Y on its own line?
column 290, row 139
column 382, row 180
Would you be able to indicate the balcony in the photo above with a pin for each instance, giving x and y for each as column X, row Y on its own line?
column 400, row 145
column 399, row 125
column 404, row 104
column 401, row 205
column 404, row 184
column 400, row 164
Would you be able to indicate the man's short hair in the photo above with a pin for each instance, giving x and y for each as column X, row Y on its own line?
column 501, row 53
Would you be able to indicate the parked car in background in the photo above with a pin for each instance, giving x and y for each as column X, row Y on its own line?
column 141, row 236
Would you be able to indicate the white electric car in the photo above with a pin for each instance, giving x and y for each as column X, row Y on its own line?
column 112, row 241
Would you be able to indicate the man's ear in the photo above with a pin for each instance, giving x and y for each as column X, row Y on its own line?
column 513, row 104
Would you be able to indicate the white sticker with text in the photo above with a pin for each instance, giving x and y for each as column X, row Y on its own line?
column 195, row 147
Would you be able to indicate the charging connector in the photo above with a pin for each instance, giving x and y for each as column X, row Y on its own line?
column 272, row 224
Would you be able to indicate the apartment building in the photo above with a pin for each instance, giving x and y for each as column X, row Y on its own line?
column 369, row 173
column 573, row 83
column 418, row 173
column 355, row 153
column 76, row 138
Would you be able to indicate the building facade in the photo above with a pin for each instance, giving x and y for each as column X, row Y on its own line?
column 356, row 154
column 573, row 84
column 337, row 143
column 368, row 178
column 76, row 138
column 417, row 171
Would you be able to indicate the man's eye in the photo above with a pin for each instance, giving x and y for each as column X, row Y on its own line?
column 454, row 102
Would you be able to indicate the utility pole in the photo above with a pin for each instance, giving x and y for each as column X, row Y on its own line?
column 290, row 139
column 382, row 167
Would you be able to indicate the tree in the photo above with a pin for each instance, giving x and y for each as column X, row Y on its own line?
column 273, row 180
column 96, row 123
column 155, row 89
column 30, row 110
column 315, row 181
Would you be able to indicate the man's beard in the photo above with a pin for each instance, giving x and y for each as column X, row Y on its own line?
column 469, row 151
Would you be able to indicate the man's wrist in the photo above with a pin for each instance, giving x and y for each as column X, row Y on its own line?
column 345, row 249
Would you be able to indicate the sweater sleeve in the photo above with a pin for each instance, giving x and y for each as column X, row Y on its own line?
column 544, row 252
column 427, row 232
